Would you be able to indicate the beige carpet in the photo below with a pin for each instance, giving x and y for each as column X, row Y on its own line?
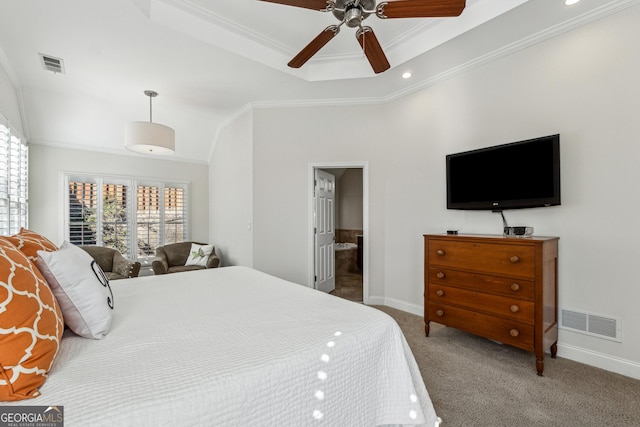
column 477, row 382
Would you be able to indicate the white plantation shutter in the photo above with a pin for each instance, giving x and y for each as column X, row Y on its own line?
column 175, row 218
column 82, row 212
column 148, row 219
column 14, row 164
column 4, row 180
column 116, row 219
column 161, row 215
column 132, row 216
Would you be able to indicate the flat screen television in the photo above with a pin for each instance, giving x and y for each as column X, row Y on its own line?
column 523, row 174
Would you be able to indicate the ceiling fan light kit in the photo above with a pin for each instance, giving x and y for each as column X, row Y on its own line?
column 352, row 13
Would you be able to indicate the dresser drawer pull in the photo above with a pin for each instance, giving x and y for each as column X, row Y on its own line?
column 439, row 313
column 515, row 287
column 514, row 332
column 440, row 275
column 440, row 252
column 440, row 292
column 514, row 308
column 514, row 259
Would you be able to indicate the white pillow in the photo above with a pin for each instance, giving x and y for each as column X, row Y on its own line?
column 199, row 255
column 81, row 288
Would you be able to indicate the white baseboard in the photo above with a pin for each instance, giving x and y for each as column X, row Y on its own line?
column 599, row 360
column 398, row 304
column 620, row 366
column 418, row 310
column 374, row 301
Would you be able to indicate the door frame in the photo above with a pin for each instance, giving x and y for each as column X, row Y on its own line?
column 365, row 220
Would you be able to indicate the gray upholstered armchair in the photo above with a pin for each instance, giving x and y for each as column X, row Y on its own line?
column 171, row 258
column 114, row 265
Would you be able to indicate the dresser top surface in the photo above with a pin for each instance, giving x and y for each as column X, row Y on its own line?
column 499, row 237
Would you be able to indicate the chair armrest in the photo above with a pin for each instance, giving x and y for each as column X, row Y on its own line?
column 160, row 266
column 160, row 263
column 125, row 267
column 213, row 261
column 134, row 270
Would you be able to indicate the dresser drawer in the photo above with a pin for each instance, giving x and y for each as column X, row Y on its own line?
column 505, row 331
column 520, row 310
column 511, row 287
column 516, row 260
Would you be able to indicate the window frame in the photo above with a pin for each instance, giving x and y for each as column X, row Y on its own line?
column 132, row 184
column 14, row 193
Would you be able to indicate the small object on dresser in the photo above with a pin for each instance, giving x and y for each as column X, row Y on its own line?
column 519, row 231
column 452, row 231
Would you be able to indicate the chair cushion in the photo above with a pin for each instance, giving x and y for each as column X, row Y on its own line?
column 82, row 289
column 31, row 325
column 179, row 268
column 113, row 276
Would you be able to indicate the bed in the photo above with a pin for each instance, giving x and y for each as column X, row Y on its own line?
column 234, row 346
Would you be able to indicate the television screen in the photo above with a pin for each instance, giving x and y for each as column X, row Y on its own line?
column 522, row 174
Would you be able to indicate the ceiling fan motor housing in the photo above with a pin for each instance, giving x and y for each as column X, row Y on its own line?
column 352, row 12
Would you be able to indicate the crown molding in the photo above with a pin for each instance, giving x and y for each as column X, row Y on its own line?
column 118, row 152
column 539, row 37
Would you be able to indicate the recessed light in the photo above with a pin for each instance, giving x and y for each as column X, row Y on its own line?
column 570, row 2
column 406, row 75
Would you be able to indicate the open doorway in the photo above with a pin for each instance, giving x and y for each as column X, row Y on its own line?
column 350, row 220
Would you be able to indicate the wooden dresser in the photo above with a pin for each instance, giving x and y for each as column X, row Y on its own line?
column 501, row 288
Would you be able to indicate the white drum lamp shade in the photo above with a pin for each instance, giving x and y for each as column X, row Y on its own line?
column 149, row 137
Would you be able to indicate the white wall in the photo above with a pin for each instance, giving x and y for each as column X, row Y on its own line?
column 349, row 196
column 286, row 141
column 231, row 193
column 582, row 85
column 47, row 164
column 9, row 104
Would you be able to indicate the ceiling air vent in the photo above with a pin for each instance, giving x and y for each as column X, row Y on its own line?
column 52, row 63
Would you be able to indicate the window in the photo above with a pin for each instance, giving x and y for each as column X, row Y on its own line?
column 14, row 165
column 132, row 216
column 160, row 216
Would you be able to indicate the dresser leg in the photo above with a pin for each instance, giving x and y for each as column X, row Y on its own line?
column 554, row 349
column 426, row 328
column 540, row 365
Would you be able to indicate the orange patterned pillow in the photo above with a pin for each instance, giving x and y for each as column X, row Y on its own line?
column 31, row 325
column 30, row 242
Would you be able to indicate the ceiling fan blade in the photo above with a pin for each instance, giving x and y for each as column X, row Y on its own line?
column 321, row 5
column 372, row 49
column 314, row 46
column 419, row 8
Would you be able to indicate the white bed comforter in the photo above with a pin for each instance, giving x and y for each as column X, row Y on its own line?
column 236, row 347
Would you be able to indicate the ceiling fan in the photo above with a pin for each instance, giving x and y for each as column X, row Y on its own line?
column 354, row 12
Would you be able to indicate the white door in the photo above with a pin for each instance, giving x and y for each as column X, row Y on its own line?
column 325, row 187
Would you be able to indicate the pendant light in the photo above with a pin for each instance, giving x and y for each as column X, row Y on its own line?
column 149, row 137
